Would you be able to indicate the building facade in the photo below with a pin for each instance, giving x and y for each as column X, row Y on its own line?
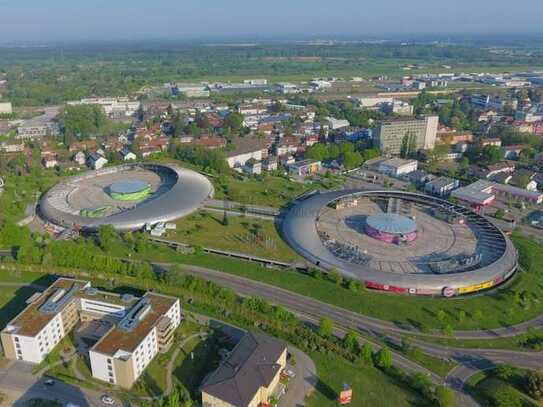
column 392, row 134
column 138, row 328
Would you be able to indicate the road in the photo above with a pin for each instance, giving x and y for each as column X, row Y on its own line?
column 470, row 360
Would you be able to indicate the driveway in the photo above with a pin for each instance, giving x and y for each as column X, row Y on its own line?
column 303, row 383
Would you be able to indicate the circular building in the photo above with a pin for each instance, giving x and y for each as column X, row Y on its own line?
column 132, row 190
column 391, row 228
column 127, row 197
column 449, row 250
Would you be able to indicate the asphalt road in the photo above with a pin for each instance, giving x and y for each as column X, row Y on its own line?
column 470, row 360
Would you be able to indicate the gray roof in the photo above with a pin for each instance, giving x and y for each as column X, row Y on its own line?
column 251, row 365
column 392, row 223
column 300, row 231
column 187, row 194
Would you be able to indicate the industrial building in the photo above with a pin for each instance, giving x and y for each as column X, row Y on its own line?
column 420, row 133
column 138, row 328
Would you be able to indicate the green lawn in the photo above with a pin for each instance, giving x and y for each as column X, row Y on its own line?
column 529, row 342
column 242, row 234
column 370, row 386
column 266, row 191
column 196, row 360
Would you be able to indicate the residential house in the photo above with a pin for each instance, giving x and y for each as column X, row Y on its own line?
column 80, row 158
column 246, row 148
column 249, row 376
column 304, row 168
column 253, row 167
column 96, row 161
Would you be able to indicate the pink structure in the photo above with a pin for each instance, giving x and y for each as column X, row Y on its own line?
column 390, row 237
column 391, row 228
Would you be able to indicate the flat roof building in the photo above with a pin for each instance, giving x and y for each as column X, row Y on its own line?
column 396, row 167
column 420, row 133
column 140, row 328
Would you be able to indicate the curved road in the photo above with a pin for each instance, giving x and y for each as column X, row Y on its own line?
column 469, row 360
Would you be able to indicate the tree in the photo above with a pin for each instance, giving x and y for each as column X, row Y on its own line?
column 370, row 153
column 444, row 396
column 534, row 384
column 234, row 122
column 350, row 340
column 352, row 159
column 491, row 154
column 506, row 396
column 326, row 327
column 383, row 358
column 335, row 276
column 505, row 371
column 448, row 330
column 366, row 353
column 406, row 344
column 107, row 236
column 84, row 121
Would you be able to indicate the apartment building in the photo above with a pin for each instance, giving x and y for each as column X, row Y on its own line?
column 139, row 328
column 391, row 134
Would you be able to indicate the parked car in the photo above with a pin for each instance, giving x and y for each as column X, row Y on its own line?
column 107, row 400
column 289, row 373
column 49, row 382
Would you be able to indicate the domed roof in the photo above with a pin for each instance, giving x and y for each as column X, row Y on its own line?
column 128, row 186
column 392, row 223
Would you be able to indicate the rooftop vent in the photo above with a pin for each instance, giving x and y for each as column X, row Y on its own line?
column 91, row 291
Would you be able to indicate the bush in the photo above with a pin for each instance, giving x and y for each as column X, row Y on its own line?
column 506, row 396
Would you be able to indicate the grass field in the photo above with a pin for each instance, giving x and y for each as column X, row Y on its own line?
column 529, row 342
column 267, row 190
column 242, row 234
column 370, row 386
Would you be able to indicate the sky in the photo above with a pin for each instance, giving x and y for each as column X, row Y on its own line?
column 61, row 20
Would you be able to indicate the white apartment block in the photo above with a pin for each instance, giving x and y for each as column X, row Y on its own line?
column 138, row 328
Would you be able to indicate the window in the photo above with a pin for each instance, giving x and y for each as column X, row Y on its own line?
column 111, row 380
column 16, row 339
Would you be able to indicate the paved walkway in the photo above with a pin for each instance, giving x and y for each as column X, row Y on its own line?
column 303, row 384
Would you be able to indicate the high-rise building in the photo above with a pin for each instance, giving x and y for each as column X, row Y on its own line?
column 415, row 132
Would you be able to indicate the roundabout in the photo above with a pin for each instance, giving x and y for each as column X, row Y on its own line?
column 401, row 242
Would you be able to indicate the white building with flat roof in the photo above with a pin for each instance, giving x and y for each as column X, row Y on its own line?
column 6, row 108
column 140, row 328
column 396, row 167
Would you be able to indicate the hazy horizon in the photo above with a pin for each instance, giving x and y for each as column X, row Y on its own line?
column 62, row 20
